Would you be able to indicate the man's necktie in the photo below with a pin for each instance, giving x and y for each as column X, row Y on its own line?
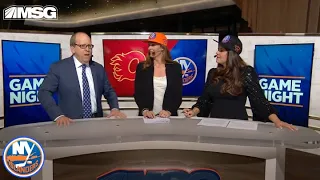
column 86, row 103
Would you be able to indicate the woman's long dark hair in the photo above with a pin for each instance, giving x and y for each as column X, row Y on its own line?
column 166, row 55
column 230, row 74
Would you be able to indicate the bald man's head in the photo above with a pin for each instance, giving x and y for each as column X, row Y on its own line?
column 81, row 47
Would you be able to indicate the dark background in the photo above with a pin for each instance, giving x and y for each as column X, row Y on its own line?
column 224, row 20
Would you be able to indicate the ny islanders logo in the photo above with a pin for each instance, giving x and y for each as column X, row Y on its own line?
column 189, row 70
column 153, row 36
column 124, row 65
column 23, row 157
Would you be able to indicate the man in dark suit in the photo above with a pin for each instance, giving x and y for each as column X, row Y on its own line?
column 80, row 84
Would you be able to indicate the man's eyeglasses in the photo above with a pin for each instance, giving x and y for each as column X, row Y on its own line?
column 84, row 46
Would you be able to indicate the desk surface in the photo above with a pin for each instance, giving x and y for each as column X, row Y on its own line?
column 97, row 135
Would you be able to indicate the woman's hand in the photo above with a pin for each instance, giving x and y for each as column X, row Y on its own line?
column 281, row 124
column 189, row 112
column 164, row 114
column 148, row 114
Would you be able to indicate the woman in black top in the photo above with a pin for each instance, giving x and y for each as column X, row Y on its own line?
column 228, row 86
column 158, row 81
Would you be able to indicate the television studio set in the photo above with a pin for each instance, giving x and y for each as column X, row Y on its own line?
column 160, row 90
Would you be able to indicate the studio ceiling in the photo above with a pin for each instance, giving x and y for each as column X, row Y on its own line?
column 74, row 13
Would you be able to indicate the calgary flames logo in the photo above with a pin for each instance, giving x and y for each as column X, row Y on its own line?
column 125, row 64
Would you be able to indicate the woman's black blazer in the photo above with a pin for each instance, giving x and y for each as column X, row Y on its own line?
column 143, row 88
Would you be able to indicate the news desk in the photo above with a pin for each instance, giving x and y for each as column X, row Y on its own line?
column 89, row 148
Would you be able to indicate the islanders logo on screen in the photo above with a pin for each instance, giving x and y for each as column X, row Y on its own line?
column 189, row 69
column 124, row 65
column 23, row 157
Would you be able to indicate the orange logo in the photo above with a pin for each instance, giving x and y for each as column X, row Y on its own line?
column 125, row 64
column 237, row 48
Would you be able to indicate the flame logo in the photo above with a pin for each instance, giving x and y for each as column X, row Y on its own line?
column 124, row 65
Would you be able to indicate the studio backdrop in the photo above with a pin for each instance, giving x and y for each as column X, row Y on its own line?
column 121, row 57
column 284, row 64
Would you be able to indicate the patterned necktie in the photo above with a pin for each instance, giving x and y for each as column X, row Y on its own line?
column 86, row 103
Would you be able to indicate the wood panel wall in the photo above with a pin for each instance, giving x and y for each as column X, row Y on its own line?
column 281, row 16
column 301, row 165
column 5, row 175
column 228, row 166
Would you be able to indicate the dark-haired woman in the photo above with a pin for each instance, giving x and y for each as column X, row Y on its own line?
column 228, row 87
column 158, row 81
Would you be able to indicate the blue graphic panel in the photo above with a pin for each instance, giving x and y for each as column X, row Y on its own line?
column 25, row 65
column 285, row 72
column 201, row 174
column 192, row 55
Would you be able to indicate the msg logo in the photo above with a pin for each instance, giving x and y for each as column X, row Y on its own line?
column 23, row 157
column 15, row 12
